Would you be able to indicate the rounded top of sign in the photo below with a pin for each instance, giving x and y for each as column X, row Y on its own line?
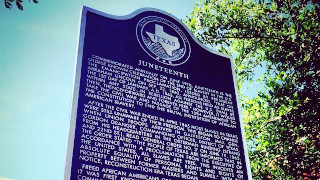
column 162, row 37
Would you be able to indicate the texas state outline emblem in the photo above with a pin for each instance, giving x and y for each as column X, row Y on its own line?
column 163, row 40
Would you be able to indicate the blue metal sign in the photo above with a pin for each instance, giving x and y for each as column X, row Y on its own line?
column 151, row 102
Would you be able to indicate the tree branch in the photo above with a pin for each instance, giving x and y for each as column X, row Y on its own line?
column 250, row 37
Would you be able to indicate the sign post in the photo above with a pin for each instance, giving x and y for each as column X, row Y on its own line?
column 151, row 102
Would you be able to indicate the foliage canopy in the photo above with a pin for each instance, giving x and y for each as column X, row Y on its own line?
column 282, row 39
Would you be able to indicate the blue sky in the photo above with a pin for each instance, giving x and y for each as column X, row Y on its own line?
column 37, row 55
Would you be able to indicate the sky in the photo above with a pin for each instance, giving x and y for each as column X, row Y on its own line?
column 37, row 54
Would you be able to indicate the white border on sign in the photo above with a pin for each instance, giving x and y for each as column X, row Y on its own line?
column 245, row 149
column 75, row 97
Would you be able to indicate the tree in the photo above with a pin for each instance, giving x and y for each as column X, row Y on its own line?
column 8, row 3
column 281, row 38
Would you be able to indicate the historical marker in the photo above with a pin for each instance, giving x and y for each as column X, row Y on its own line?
column 151, row 102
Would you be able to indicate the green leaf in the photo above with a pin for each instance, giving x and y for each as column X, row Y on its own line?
column 19, row 5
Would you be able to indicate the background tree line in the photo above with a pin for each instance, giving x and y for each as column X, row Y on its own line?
column 282, row 39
